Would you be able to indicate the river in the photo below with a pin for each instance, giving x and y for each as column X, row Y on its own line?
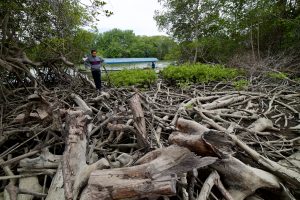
column 118, row 67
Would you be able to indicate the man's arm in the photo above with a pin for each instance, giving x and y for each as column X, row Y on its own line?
column 87, row 63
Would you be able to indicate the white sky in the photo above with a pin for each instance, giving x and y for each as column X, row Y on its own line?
column 136, row 15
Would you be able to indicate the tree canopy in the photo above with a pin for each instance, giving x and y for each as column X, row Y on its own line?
column 54, row 25
column 124, row 43
column 214, row 30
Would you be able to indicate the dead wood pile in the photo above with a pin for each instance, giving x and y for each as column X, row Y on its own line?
column 70, row 142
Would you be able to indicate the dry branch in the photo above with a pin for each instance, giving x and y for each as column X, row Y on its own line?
column 139, row 120
column 124, row 124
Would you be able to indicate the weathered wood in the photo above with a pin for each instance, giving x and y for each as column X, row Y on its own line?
column 213, row 179
column 29, row 184
column 219, row 103
column 193, row 142
column 190, row 127
column 261, row 124
column 101, row 97
column 292, row 162
column 45, row 160
column 45, row 111
column 74, row 157
column 82, row 104
column 211, row 143
column 288, row 175
column 156, row 172
column 73, row 174
column 241, row 179
column 158, row 133
column 292, row 177
column 56, row 190
column 139, row 120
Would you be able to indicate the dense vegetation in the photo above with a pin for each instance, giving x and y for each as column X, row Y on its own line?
column 121, row 44
column 46, row 29
column 111, row 44
column 138, row 77
column 198, row 73
column 216, row 31
column 226, row 32
column 183, row 75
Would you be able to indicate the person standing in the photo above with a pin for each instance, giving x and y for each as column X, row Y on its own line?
column 153, row 65
column 94, row 62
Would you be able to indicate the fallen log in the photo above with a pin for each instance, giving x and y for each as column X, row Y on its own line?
column 154, row 175
column 82, row 104
column 29, row 184
column 219, row 103
column 261, row 124
column 139, row 121
column 73, row 172
column 290, row 176
column 213, row 179
column 45, row 160
column 242, row 180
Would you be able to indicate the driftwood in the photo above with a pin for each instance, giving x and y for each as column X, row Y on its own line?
column 213, row 179
column 74, row 171
column 156, row 172
column 29, row 184
column 139, row 121
column 86, row 143
column 45, row 160
column 242, row 180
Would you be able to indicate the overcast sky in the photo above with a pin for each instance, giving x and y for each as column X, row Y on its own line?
column 136, row 15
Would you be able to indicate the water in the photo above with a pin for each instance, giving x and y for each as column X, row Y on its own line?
column 113, row 67
column 118, row 67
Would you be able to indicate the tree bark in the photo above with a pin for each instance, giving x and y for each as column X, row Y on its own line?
column 242, row 180
column 139, row 121
column 154, row 175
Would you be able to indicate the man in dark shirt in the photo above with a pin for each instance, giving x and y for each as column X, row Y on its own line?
column 94, row 62
column 153, row 65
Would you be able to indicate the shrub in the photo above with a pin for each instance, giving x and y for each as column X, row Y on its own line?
column 241, row 84
column 198, row 73
column 277, row 75
column 132, row 77
column 184, row 84
column 297, row 79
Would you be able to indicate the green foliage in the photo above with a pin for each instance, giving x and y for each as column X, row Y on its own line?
column 277, row 75
column 213, row 31
column 297, row 79
column 132, row 77
column 77, row 45
column 121, row 44
column 198, row 73
column 184, row 84
column 241, row 84
column 46, row 28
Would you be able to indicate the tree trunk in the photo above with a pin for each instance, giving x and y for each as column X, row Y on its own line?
column 242, row 180
column 154, row 176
